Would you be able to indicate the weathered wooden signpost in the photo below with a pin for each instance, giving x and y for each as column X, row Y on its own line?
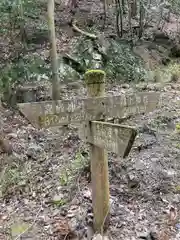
column 102, row 136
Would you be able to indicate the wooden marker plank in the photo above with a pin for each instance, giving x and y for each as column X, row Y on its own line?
column 113, row 137
column 95, row 81
column 88, row 109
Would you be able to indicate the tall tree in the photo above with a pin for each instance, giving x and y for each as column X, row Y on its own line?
column 141, row 18
column 21, row 22
column 53, row 51
column 119, row 17
column 133, row 8
column 129, row 17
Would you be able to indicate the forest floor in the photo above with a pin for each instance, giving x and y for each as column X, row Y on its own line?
column 46, row 192
column 44, row 183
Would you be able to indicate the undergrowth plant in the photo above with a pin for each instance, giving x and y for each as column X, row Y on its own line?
column 70, row 173
column 13, row 178
column 164, row 74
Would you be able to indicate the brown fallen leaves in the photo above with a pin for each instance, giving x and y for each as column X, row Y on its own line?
column 5, row 146
column 62, row 229
column 171, row 221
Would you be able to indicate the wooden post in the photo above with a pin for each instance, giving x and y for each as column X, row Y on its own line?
column 95, row 80
column 53, row 51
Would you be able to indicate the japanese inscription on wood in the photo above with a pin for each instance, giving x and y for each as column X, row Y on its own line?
column 88, row 109
column 113, row 137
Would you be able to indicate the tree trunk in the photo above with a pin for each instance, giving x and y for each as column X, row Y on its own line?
column 141, row 19
column 119, row 18
column 133, row 8
column 123, row 6
column 53, row 51
column 129, row 17
column 22, row 24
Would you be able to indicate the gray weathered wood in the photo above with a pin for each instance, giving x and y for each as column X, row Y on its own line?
column 88, row 109
column 113, row 137
column 95, row 80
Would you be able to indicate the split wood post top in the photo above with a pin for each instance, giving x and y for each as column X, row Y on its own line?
column 95, row 80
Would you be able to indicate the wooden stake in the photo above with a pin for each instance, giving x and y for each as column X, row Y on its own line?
column 95, row 80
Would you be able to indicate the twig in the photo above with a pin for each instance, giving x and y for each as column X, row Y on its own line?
column 104, row 223
column 27, row 229
column 66, row 236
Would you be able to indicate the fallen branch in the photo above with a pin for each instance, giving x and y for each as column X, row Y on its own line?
column 89, row 35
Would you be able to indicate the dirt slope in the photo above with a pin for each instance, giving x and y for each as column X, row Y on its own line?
column 36, row 201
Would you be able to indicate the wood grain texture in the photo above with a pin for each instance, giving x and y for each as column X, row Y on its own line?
column 113, row 137
column 99, row 161
column 88, row 109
